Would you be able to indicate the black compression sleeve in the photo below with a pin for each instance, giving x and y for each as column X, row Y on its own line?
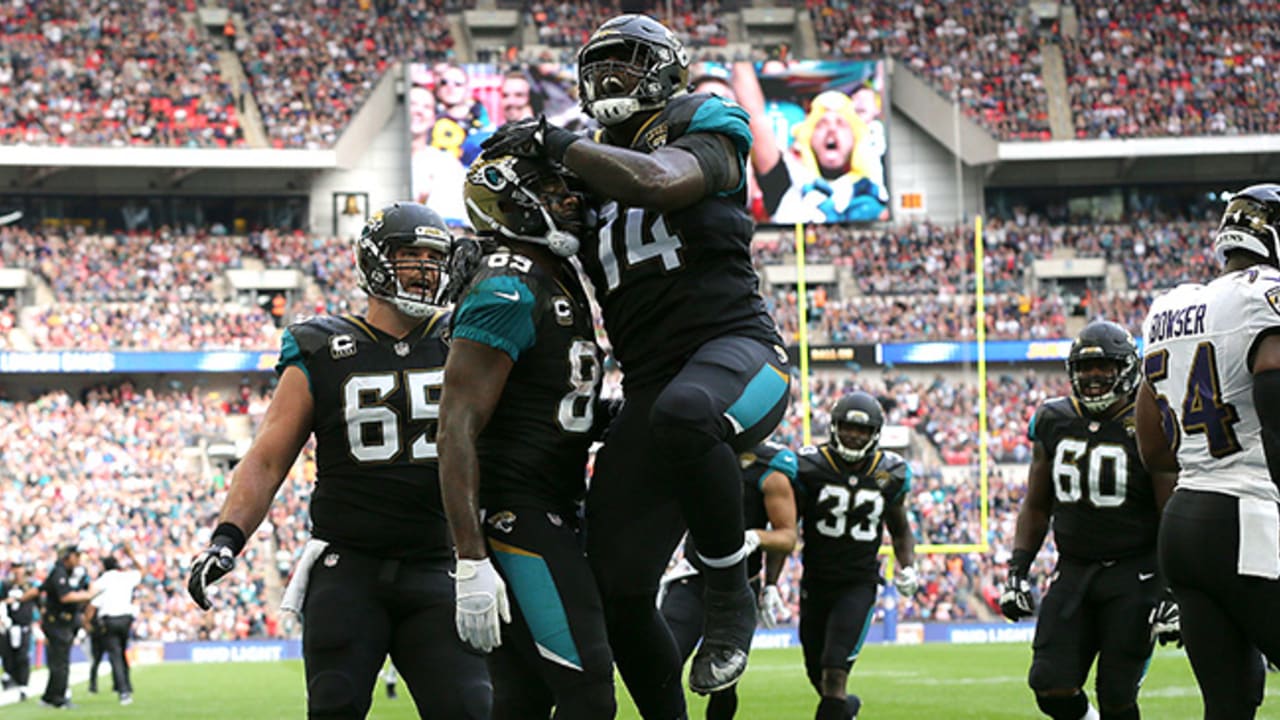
column 1266, row 399
column 774, row 184
column 712, row 158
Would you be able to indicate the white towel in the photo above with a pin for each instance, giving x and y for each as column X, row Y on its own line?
column 682, row 570
column 296, row 593
column 1259, row 538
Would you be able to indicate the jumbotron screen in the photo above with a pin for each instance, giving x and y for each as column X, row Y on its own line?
column 819, row 128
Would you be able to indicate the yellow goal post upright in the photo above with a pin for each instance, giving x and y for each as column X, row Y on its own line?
column 806, row 409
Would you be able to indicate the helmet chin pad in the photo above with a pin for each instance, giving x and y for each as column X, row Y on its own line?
column 614, row 111
column 413, row 308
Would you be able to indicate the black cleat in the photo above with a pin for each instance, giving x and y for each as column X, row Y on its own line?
column 854, row 704
column 391, row 691
column 722, row 658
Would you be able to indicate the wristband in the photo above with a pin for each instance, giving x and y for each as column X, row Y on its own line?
column 557, row 141
column 230, row 536
column 1020, row 562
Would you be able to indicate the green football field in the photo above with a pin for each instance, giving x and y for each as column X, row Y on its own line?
column 982, row 682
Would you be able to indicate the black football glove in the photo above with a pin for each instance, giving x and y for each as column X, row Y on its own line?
column 214, row 562
column 1166, row 621
column 534, row 138
column 1016, row 601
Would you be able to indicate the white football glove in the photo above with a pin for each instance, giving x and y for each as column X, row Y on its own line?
column 1166, row 622
column 907, row 581
column 770, row 607
column 750, row 542
column 482, row 604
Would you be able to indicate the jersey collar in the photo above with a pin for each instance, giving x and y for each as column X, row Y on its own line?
column 378, row 336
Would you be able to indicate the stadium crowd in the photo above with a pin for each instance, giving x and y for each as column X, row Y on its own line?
column 125, row 74
column 113, row 465
column 568, row 24
column 981, row 52
column 114, row 74
column 311, row 70
column 1144, row 69
column 1150, row 69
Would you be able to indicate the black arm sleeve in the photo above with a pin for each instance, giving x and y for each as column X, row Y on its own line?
column 773, row 185
column 710, row 153
column 1266, row 398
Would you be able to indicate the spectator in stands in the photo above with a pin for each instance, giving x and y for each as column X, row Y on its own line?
column 457, row 107
column 516, row 102
column 828, row 174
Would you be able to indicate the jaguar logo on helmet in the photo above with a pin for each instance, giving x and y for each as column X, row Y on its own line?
column 495, row 174
column 522, row 199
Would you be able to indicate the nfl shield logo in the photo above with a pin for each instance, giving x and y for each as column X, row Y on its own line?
column 1093, row 426
column 401, row 348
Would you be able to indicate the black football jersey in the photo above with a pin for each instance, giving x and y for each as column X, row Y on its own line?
column 842, row 512
column 377, row 402
column 669, row 282
column 21, row 612
column 763, row 460
column 1103, row 504
column 534, row 449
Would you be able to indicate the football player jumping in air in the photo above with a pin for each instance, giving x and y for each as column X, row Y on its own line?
column 375, row 577
column 1108, row 601
column 769, row 504
column 518, row 416
column 705, row 375
column 848, row 491
column 1209, row 413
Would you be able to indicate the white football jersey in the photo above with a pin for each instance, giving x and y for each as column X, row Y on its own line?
column 1197, row 340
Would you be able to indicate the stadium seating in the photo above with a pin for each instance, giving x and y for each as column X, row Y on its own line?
column 981, row 51
column 1148, row 68
column 311, row 71
column 114, row 74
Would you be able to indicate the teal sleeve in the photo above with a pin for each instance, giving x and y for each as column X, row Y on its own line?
column 906, row 484
column 290, row 354
column 1031, row 427
column 717, row 115
column 784, row 462
column 498, row 312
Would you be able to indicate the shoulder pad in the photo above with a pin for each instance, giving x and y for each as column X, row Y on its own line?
column 778, row 458
column 313, row 334
column 1054, row 409
column 1264, row 296
column 440, row 329
column 700, row 112
column 498, row 310
column 894, row 464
